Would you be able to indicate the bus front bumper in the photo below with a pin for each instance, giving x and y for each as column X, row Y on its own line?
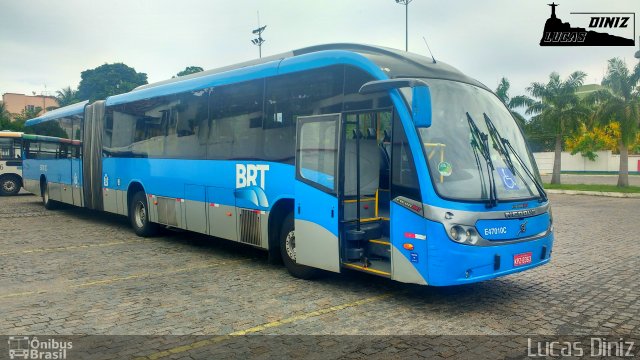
column 451, row 263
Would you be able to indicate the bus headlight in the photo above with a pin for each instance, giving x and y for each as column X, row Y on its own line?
column 550, row 219
column 463, row 234
column 456, row 232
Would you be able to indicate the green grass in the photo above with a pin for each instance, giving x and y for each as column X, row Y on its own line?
column 593, row 187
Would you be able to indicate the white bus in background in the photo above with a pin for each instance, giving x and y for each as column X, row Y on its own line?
column 10, row 162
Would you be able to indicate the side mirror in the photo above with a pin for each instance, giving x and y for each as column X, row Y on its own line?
column 420, row 96
column 421, row 106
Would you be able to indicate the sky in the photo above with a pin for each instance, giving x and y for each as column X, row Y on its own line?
column 45, row 44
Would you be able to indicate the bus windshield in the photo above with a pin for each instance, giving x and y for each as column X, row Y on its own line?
column 468, row 144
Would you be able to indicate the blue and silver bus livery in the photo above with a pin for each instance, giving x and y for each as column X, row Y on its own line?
column 330, row 157
column 53, row 160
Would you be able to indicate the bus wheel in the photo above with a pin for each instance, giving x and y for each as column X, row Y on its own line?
column 46, row 200
column 9, row 185
column 139, row 216
column 288, row 251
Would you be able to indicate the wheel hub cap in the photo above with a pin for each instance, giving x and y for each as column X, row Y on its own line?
column 9, row 186
column 290, row 245
column 140, row 214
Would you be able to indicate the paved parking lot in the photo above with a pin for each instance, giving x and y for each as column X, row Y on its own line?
column 73, row 271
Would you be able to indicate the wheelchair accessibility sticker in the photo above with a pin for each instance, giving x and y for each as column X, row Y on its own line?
column 508, row 180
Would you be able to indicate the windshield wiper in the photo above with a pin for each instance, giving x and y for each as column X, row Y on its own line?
column 501, row 148
column 480, row 141
column 505, row 148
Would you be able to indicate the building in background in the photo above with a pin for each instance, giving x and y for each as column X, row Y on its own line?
column 15, row 103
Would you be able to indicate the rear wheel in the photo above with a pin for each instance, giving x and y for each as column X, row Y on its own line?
column 139, row 216
column 288, row 251
column 9, row 185
column 46, row 199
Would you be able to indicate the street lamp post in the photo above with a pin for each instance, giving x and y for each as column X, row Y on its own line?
column 406, row 18
column 259, row 40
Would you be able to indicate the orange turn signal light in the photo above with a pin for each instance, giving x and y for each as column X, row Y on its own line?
column 407, row 246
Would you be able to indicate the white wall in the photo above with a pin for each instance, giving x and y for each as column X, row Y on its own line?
column 606, row 161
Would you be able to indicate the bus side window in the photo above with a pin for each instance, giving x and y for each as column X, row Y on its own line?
column 404, row 179
column 5, row 148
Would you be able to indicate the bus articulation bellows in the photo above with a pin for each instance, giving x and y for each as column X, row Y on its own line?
column 330, row 157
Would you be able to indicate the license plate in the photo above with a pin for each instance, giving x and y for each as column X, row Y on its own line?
column 522, row 259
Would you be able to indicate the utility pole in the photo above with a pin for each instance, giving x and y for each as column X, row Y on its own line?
column 44, row 104
column 259, row 40
column 406, row 19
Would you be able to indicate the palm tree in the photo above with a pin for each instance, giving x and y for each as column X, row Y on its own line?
column 557, row 109
column 620, row 102
column 66, row 96
column 503, row 93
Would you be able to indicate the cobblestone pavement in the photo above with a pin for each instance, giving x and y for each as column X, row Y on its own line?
column 634, row 180
column 74, row 271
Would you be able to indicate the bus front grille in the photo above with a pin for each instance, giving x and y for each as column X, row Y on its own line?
column 250, row 229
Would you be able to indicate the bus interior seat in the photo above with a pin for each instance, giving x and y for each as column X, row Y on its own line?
column 371, row 133
column 369, row 168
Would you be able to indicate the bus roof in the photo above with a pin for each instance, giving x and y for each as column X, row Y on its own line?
column 382, row 63
column 51, row 139
column 69, row 110
column 10, row 134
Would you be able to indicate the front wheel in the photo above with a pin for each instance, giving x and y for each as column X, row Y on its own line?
column 9, row 185
column 46, row 199
column 288, row 251
column 139, row 216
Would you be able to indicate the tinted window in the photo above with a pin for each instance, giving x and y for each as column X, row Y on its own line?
column 138, row 129
column 236, row 121
column 312, row 92
column 60, row 128
column 47, row 150
column 318, row 152
column 404, row 179
column 187, row 125
column 354, row 78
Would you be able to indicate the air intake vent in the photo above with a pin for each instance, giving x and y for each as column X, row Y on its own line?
column 250, row 229
column 167, row 211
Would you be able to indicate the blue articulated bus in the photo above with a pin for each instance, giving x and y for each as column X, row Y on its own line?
column 331, row 157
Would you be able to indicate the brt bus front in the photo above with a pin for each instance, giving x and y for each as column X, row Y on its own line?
column 483, row 212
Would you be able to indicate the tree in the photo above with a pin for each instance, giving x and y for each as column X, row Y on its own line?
column 620, row 102
column 593, row 138
column 189, row 70
column 557, row 110
column 5, row 117
column 503, row 93
column 107, row 80
column 18, row 120
column 67, row 96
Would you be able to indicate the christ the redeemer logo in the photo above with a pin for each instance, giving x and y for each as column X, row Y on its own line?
column 558, row 33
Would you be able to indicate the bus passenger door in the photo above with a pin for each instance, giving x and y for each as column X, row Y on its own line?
column 316, row 184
